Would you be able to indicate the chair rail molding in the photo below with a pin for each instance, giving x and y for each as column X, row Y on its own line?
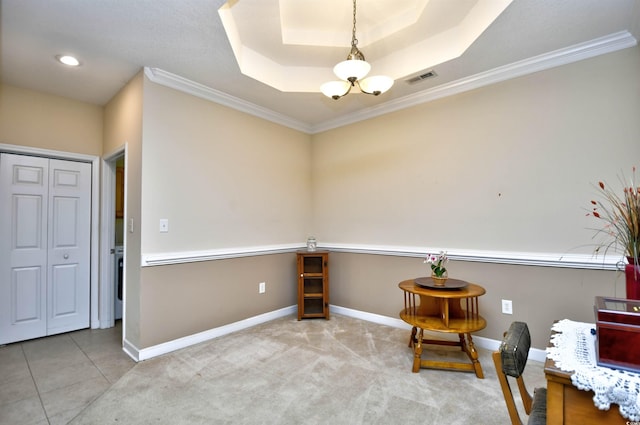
column 541, row 259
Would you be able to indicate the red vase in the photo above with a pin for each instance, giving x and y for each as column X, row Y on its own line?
column 632, row 275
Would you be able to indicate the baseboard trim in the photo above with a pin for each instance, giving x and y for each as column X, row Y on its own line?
column 486, row 343
column 139, row 355
column 131, row 350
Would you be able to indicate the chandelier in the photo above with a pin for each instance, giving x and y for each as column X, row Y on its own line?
column 353, row 71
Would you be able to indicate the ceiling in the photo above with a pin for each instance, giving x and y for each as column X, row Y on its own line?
column 184, row 42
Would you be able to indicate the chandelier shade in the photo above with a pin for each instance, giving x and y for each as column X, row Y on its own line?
column 376, row 84
column 353, row 71
column 335, row 88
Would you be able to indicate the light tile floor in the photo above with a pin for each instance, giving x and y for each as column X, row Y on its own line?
column 51, row 380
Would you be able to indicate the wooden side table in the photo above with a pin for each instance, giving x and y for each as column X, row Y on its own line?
column 443, row 310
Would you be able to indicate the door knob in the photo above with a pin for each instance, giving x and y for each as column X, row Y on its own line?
column 65, row 256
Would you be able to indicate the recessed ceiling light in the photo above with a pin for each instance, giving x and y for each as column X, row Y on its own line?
column 68, row 60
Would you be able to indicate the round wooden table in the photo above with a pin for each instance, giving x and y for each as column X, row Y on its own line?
column 450, row 309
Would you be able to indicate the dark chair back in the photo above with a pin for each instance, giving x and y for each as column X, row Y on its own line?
column 510, row 360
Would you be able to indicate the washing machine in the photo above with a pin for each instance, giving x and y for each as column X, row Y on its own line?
column 118, row 276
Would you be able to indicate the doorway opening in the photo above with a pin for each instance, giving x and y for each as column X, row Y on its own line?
column 113, row 241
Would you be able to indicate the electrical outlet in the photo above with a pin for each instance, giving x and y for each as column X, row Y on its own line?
column 164, row 225
column 262, row 287
column 507, row 307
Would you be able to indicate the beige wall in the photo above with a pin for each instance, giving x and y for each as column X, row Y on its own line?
column 123, row 127
column 40, row 120
column 505, row 167
column 221, row 177
column 224, row 179
column 540, row 295
column 508, row 167
column 184, row 299
column 501, row 145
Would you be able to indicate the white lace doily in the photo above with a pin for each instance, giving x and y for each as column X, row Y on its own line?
column 575, row 350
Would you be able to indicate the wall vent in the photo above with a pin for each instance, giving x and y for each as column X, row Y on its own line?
column 424, row 76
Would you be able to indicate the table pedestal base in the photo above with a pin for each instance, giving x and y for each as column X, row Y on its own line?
column 417, row 340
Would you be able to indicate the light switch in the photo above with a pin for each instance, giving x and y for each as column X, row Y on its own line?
column 164, row 225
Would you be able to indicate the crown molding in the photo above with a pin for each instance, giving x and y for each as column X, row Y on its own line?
column 182, row 84
column 599, row 46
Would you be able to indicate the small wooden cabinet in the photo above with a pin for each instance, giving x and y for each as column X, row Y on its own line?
column 313, row 284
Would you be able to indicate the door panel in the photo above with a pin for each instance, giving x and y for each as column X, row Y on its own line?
column 45, row 221
column 27, row 210
column 65, row 214
column 64, row 293
column 24, row 185
column 69, row 239
column 26, row 295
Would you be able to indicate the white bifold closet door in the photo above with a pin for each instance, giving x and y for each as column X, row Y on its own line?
column 45, row 225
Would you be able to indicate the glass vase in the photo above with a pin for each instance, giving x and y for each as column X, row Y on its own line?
column 311, row 244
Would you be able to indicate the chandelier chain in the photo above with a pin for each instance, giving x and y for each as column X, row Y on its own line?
column 354, row 40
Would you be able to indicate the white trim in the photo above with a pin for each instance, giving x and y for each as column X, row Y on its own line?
column 167, row 347
column 187, row 341
column 107, row 229
column 599, row 46
column 370, row 317
column 130, row 349
column 589, row 49
column 28, row 150
column 177, row 82
column 482, row 342
column 157, row 259
column 94, row 297
column 540, row 259
column 94, row 319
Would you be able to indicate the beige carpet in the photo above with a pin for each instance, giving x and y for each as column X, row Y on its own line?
column 341, row 371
